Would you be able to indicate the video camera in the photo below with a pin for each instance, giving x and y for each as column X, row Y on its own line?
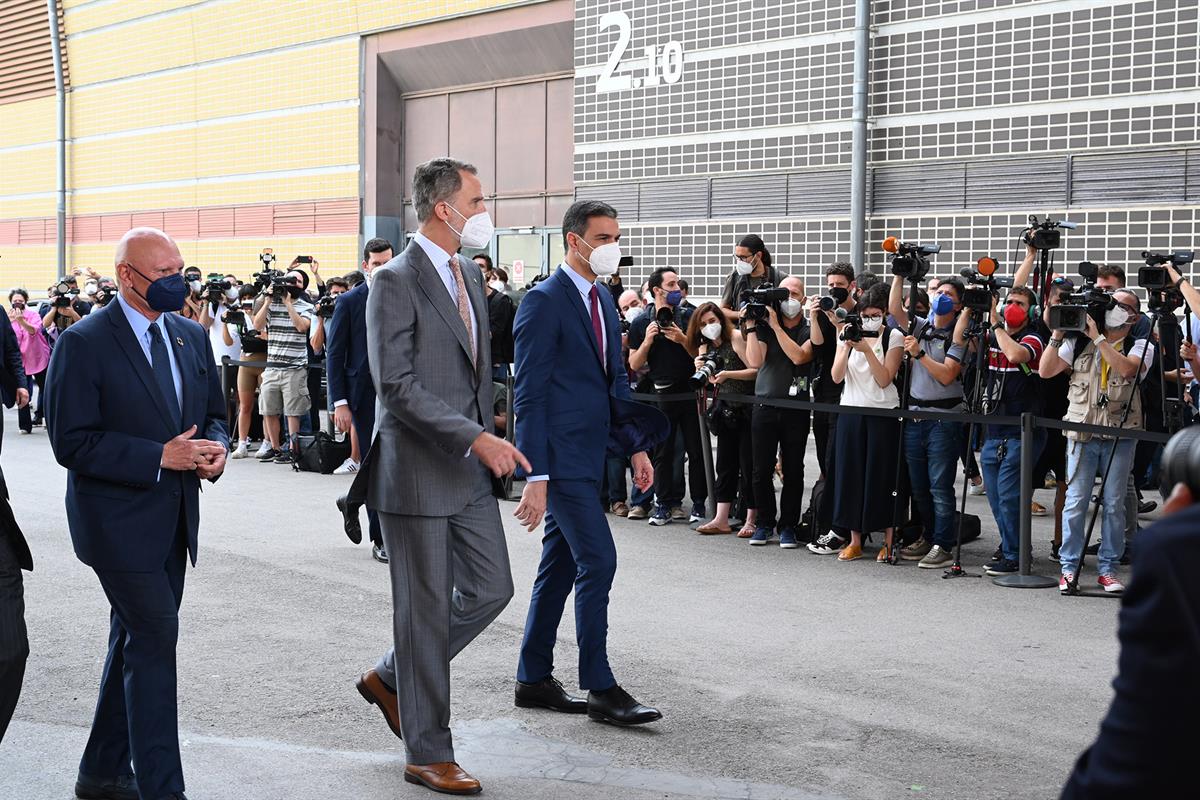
column 988, row 285
column 324, row 307
column 61, row 294
column 910, row 261
column 853, row 330
column 1047, row 234
column 216, row 287
column 1153, row 277
column 106, row 290
column 263, row 280
column 756, row 301
column 1072, row 313
column 281, row 286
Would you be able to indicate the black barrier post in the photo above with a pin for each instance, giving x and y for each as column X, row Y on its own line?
column 710, row 505
column 225, row 394
column 1024, row 579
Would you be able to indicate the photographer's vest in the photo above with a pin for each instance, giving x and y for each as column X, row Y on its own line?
column 1092, row 380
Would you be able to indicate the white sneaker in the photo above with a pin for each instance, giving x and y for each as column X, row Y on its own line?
column 263, row 449
column 348, row 467
column 976, row 489
column 827, row 545
column 241, row 451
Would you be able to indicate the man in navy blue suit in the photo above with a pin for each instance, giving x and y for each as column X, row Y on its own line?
column 135, row 413
column 571, row 398
column 350, row 385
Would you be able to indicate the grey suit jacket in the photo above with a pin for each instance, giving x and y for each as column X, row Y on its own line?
column 433, row 403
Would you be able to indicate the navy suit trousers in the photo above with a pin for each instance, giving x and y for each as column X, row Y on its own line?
column 136, row 715
column 364, row 426
column 577, row 552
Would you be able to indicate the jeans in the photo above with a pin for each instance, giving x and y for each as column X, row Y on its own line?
column 1002, row 476
column 1086, row 460
column 931, row 448
column 615, row 487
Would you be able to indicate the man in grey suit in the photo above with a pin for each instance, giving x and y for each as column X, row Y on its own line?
column 429, row 471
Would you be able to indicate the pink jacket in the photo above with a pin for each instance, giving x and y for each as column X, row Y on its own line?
column 35, row 351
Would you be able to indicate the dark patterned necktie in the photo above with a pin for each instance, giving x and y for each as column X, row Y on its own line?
column 597, row 328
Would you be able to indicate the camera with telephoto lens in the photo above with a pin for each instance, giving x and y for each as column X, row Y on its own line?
column 710, row 367
column 1181, row 462
column 837, row 295
column 324, row 307
column 1071, row 315
column 665, row 317
column 1045, row 235
column 910, row 261
column 755, row 302
column 215, row 288
column 1153, row 276
column 852, row 330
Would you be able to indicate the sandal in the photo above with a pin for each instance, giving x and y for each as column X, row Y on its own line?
column 746, row 532
column 710, row 528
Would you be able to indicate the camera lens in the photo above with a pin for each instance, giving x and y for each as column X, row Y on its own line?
column 1181, row 461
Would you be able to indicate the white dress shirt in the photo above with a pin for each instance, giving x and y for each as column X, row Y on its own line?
column 141, row 332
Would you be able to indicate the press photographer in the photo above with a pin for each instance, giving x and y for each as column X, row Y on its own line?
column 721, row 364
column 34, row 355
column 1104, row 372
column 288, row 319
column 64, row 308
column 752, row 268
column 323, row 311
column 193, row 304
column 630, row 307
column 657, row 341
column 931, row 446
column 778, row 346
column 239, row 335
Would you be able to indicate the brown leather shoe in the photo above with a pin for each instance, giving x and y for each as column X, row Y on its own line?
column 447, row 778
column 377, row 693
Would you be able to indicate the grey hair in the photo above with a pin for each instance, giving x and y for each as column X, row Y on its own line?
column 436, row 181
column 576, row 219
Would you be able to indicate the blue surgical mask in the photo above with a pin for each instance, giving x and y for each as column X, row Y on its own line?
column 166, row 294
column 943, row 304
column 673, row 298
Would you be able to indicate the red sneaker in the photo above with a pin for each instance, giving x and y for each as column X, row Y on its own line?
column 1111, row 584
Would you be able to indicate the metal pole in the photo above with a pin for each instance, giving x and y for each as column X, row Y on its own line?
column 706, row 452
column 858, row 164
column 61, row 103
column 225, row 394
column 1023, row 579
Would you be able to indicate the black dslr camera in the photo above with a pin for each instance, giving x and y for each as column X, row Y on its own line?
column 910, row 261
column 853, row 331
column 665, row 317
column 1045, row 235
column 324, row 308
column 1072, row 313
column 756, row 301
column 837, row 295
column 710, row 367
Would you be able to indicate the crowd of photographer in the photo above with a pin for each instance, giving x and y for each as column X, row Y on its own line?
column 1086, row 350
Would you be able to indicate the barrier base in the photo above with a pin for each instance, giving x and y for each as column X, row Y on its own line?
column 1019, row 581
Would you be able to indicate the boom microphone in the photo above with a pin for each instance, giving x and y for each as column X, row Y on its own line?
column 841, row 313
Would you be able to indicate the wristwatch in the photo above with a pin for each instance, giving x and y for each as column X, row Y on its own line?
column 1056, row 342
column 999, row 326
column 920, row 354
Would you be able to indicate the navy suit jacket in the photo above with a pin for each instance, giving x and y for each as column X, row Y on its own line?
column 346, row 360
column 571, row 411
column 108, row 423
column 12, row 370
column 1148, row 739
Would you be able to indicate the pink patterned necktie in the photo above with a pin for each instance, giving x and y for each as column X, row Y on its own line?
column 464, row 305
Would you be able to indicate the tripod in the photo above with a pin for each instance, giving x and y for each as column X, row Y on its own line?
column 1073, row 585
column 979, row 331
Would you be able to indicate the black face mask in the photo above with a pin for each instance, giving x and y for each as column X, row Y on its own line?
column 839, row 294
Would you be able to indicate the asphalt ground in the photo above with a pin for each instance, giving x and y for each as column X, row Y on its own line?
column 781, row 674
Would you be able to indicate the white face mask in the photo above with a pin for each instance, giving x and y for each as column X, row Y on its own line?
column 497, row 286
column 1115, row 318
column 872, row 323
column 195, row 286
column 744, row 267
column 711, row 331
column 605, row 259
column 90, row 289
column 231, row 293
column 477, row 231
column 632, row 313
column 791, row 308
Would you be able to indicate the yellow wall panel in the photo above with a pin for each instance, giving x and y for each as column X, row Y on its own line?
column 275, row 190
column 170, row 155
column 133, row 49
column 77, row 20
column 324, row 138
column 30, row 266
column 27, row 171
column 250, row 25
column 22, row 209
column 375, row 14
column 161, row 100
column 27, row 122
column 149, row 199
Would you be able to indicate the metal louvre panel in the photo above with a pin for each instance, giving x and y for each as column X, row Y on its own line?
column 1128, row 178
column 918, row 187
column 750, row 196
column 674, row 200
column 1016, row 183
column 26, row 59
column 621, row 196
column 819, row 194
column 1192, row 177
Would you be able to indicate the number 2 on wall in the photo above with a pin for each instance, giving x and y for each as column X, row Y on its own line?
column 667, row 69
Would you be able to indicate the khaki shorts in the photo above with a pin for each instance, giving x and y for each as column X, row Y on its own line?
column 284, row 391
column 250, row 378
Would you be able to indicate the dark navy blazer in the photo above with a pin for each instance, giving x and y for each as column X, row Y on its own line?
column 570, row 410
column 346, row 350
column 108, row 423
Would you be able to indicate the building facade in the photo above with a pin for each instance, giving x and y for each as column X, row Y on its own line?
column 242, row 124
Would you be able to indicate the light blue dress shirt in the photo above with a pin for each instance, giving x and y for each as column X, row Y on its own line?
column 441, row 261
column 141, row 332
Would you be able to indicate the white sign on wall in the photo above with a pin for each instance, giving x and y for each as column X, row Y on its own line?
column 518, row 273
column 662, row 66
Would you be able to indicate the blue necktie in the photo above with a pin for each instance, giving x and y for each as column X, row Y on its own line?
column 161, row 363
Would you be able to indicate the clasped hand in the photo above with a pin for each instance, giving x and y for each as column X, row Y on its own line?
column 185, row 454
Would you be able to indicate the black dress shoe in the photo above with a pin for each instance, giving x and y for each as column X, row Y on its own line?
column 350, row 519
column 379, row 553
column 549, row 693
column 616, row 707
column 121, row 787
column 1146, row 506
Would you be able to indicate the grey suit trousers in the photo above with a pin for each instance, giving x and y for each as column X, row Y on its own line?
column 450, row 579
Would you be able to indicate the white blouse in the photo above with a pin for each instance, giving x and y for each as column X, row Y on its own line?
column 860, row 388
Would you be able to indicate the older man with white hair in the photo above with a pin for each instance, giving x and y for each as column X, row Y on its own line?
column 135, row 413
